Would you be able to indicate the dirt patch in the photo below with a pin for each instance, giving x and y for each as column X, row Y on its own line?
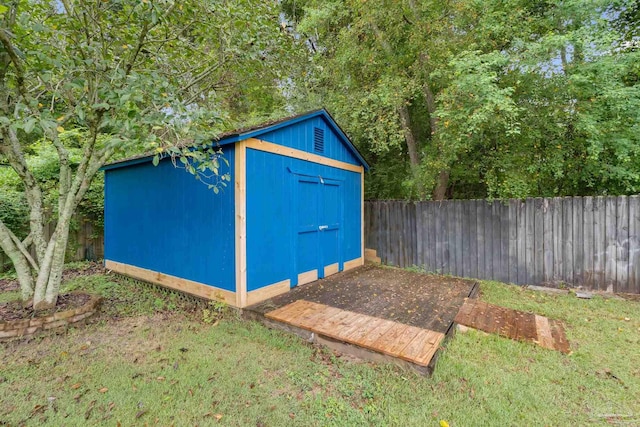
column 14, row 311
column 87, row 269
column 423, row 300
column 630, row 297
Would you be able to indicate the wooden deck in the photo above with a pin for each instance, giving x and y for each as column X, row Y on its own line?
column 514, row 324
column 409, row 343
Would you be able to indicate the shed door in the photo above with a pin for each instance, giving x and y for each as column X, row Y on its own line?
column 319, row 222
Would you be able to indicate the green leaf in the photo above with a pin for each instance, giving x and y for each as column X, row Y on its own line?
column 80, row 112
column 156, row 160
column 3, row 8
column 29, row 125
column 101, row 106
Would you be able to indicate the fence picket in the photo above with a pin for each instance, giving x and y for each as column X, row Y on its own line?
column 592, row 242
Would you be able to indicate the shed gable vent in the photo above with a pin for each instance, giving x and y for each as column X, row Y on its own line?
column 318, row 140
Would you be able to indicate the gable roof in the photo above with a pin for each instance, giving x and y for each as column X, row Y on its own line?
column 254, row 132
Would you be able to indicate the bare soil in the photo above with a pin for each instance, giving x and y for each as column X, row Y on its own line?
column 423, row 300
column 15, row 311
column 95, row 267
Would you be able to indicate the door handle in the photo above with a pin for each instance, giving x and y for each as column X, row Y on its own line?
column 323, row 227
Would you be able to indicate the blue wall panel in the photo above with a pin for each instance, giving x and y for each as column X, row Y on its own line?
column 281, row 199
column 300, row 136
column 162, row 219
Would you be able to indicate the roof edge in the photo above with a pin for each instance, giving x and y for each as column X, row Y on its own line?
column 252, row 132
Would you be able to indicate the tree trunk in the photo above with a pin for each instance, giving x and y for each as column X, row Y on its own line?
column 20, row 262
column 50, row 275
column 412, row 148
column 440, row 191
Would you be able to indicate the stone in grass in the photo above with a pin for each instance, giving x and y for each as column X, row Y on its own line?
column 462, row 329
column 584, row 295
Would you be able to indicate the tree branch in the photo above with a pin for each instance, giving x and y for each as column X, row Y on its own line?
column 19, row 261
column 12, row 151
column 15, row 60
column 136, row 52
column 22, row 248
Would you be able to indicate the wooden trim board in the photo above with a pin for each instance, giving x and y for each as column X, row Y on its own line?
column 331, row 269
column 372, row 256
column 173, row 282
column 348, row 265
column 307, row 277
column 409, row 343
column 240, row 195
column 361, row 214
column 270, row 291
column 269, row 147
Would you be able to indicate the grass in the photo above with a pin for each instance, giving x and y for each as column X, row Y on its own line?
column 144, row 361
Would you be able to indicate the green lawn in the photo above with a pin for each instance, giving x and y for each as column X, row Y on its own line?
column 150, row 358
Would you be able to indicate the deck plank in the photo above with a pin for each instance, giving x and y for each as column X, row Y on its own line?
column 358, row 323
column 291, row 311
column 341, row 320
column 395, row 339
column 368, row 340
column 431, row 344
column 356, row 336
column 543, row 329
column 559, row 336
column 403, row 340
column 417, row 346
column 513, row 324
column 318, row 314
column 391, row 336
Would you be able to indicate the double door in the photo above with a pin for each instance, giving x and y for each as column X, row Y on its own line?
column 319, row 213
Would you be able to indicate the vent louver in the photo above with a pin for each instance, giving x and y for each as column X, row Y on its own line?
column 318, row 140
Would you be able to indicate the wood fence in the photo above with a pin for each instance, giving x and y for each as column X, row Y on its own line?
column 593, row 242
column 86, row 242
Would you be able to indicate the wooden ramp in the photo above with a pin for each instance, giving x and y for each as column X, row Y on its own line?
column 517, row 325
column 391, row 338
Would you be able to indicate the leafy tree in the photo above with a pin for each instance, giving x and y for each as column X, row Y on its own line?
column 475, row 104
column 125, row 76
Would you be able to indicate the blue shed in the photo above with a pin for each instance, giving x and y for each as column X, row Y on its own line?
column 293, row 215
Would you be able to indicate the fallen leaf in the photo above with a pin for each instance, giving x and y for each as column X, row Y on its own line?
column 444, row 423
column 36, row 409
column 75, row 386
column 160, row 378
column 218, row 417
column 103, row 390
column 87, row 413
column 183, row 350
column 141, row 413
column 292, row 415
